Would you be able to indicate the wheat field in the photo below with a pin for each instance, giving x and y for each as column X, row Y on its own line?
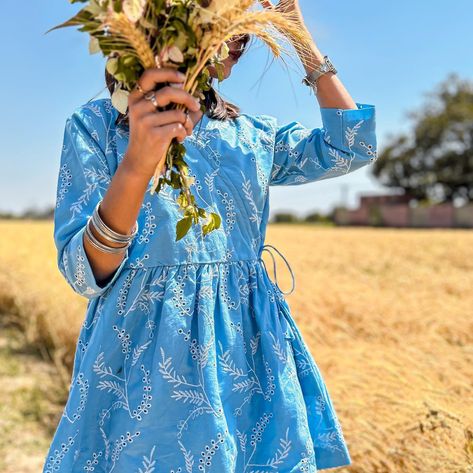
column 387, row 314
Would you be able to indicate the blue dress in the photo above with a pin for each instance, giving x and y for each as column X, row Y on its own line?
column 188, row 359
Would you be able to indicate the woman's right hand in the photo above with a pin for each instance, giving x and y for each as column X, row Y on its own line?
column 151, row 130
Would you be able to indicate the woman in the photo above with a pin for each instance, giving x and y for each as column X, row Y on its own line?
column 188, row 358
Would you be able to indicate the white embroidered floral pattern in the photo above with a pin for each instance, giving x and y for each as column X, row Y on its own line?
column 189, row 359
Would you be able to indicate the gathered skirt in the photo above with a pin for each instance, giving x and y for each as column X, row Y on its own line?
column 195, row 367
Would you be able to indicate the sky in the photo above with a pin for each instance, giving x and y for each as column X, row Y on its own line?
column 389, row 54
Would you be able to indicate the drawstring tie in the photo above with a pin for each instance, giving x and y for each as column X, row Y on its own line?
column 266, row 247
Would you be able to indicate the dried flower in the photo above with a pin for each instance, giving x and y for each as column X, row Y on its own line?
column 186, row 34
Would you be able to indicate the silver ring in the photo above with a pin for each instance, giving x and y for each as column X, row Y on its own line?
column 151, row 96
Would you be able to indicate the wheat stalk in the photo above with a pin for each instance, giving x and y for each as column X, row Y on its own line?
column 128, row 30
column 122, row 26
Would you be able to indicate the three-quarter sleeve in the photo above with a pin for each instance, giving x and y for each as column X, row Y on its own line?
column 345, row 143
column 83, row 179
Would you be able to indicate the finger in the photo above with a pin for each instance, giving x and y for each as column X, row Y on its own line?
column 164, row 97
column 153, row 76
column 169, row 116
column 189, row 125
column 169, row 94
column 172, row 130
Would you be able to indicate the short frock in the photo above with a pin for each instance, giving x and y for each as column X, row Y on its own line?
column 188, row 358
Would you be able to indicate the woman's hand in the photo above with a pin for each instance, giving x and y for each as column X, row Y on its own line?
column 293, row 8
column 285, row 6
column 151, row 130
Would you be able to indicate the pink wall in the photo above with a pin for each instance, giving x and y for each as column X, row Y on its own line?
column 394, row 211
column 395, row 215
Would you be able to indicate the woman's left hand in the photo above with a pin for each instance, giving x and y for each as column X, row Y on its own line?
column 285, row 6
column 293, row 8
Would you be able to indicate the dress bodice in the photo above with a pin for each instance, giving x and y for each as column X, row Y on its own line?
column 234, row 163
column 231, row 164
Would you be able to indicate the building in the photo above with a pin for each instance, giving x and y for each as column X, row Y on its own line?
column 399, row 211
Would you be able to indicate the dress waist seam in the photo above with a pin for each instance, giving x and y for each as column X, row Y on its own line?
column 189, row 263
column 254, row 259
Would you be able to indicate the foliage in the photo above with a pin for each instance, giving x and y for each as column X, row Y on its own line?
column 434, row 161
column 317, row 217
column 188, row 35
column 285, row 217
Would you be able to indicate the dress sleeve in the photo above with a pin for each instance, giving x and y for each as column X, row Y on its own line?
column 83, row 179
column 346, row 142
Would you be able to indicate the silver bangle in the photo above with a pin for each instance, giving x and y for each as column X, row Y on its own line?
column 106, row 232
column 312, row 78
column 101, row 246
column 99, row 228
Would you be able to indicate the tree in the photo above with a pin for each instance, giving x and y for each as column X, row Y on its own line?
column 317, row 217
column 435, row 160
column 285, row 217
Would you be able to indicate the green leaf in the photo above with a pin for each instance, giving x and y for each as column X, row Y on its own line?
column 94, row 8
column 145, row 23
column 175, row 180
column 224, row 50
column 213, row 224
column 182, row 200
column 134, row 9
column 220, row 68
column 182, row 227
column 175, row 54
column 112, row 65
column 120, row 100
column 94, row 46
column 79, row 18
column 217, row 219
column 159, row 185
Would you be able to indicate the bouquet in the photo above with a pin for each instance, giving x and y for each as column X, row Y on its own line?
column 188, row 35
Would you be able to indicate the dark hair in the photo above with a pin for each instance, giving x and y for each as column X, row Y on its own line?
column 216, row 107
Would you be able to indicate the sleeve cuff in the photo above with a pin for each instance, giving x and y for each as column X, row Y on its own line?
column 84, row 281
column 339, row 123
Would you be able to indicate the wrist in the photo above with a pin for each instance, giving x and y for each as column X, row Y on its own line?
column 312, row 59
column 132, row 171
column 309, row 54
column 326, row 69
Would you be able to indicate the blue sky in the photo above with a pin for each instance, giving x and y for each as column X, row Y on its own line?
column 389, row 54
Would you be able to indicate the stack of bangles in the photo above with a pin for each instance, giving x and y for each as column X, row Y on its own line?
column 108, row 234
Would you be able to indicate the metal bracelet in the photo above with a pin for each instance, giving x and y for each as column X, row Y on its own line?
column 110, row 233
column 104, row 230
column 312, row 78
column 102, row 233
column 101, row 246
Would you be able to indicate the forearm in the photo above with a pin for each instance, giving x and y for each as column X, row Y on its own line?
column 119, row 210
column 331, row 93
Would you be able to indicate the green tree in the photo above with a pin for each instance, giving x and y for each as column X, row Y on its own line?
column 434, row 161
column 285, row 217
column 316, row 217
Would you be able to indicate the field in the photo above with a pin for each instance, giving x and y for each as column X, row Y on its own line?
column 388, row 316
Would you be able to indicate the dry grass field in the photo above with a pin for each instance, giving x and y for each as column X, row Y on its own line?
column 388, row 316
